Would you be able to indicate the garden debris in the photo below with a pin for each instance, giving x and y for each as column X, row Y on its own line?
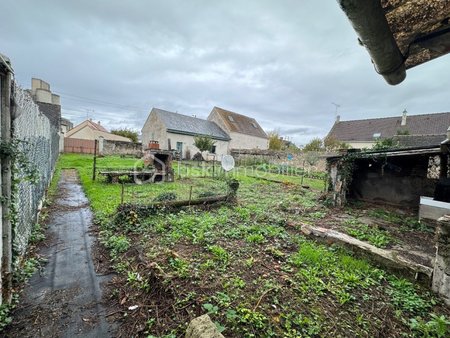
column 129, row 212
column 388, row 258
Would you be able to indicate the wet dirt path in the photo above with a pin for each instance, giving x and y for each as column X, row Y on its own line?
column 64, row 299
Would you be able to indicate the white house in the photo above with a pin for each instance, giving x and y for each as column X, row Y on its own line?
column 244, row 131
column 177, row 131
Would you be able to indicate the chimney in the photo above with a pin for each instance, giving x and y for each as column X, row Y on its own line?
column 338, row 118
column 98, row 122
column 404, row 118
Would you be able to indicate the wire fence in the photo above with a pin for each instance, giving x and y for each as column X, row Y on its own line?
column 39, row 143
column 192, row 179
column 184, row 189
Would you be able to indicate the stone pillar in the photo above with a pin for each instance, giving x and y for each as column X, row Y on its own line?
column 338, row 186
column 101, row 139
column 441, row 274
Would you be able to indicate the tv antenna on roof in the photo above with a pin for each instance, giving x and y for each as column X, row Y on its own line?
column 337, row 107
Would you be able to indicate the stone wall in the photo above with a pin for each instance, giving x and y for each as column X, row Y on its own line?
column 108, row 147
column 310, row 161
column 441, row 274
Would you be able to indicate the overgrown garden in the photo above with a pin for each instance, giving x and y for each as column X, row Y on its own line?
column 245, row 263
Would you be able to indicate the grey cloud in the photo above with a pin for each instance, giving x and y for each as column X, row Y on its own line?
column 281, row 62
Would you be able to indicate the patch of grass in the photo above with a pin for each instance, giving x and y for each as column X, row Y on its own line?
column 219, row 253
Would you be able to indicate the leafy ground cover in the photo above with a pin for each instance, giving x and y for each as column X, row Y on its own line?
column 247, row 265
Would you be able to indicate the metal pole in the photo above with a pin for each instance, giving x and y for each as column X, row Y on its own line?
column 121, row 196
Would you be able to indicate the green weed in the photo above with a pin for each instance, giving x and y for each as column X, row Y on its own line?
column 437, row 326
column 367, row 233
column 404, row 296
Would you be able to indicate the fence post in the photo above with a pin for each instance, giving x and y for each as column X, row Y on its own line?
column 303, row 173
column 95, row 160
column 190, row 195
column 121, row 195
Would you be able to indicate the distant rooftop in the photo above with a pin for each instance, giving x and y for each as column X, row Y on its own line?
column 189, row 125
column 387, row 127
column 240, row 123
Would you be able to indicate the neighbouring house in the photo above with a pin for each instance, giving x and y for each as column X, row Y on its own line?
column 66, row 125
column 244, row 131
column 89, row 130
column 81, row 139
column 175, row 131
column 400, row 35
column 407, row 131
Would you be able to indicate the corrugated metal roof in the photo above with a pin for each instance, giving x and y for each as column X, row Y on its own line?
column 364, row 130
column 410, row 19
column 240, row 123
column 189, row 125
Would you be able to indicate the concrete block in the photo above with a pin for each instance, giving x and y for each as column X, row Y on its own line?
column 431, row 209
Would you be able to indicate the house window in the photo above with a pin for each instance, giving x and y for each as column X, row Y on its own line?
column 213, row 149
column 230, row 118
column 180, row 147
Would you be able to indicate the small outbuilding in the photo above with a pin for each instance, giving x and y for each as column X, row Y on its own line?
column 395, row 176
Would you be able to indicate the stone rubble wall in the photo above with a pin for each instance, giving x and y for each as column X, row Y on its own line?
column 312, row 162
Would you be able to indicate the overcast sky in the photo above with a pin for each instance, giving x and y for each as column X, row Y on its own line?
column 282, row 62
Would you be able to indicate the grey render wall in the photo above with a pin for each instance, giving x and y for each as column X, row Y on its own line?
column 189, row 149
column 154, row 130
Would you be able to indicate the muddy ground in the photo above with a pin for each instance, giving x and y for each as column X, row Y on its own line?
column 64, row 298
